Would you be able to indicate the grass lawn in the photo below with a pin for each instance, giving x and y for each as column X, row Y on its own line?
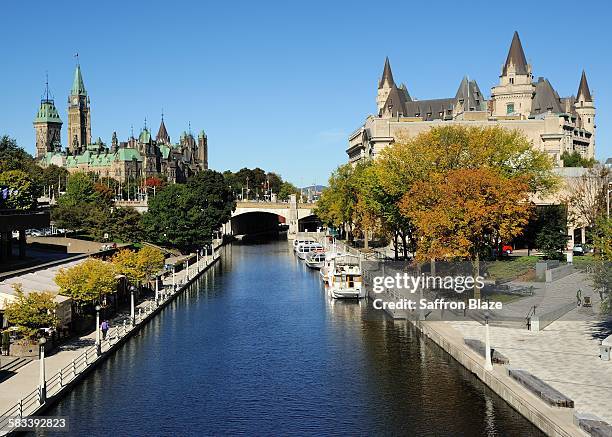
column 582, row 262
column 511, row 268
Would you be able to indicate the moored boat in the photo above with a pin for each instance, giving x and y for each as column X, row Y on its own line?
column 315, row 260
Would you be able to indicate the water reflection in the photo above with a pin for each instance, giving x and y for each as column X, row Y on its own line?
column 257, row 347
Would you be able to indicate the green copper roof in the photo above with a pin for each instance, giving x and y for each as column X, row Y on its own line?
column 165, row 151
column 47, row 113
column 202, row 134
column 78, row 87
column 128, row 154
column 145, row 136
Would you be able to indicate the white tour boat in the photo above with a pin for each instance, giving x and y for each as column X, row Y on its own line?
column 315, row 260
column 306, row 248
column 346, row 282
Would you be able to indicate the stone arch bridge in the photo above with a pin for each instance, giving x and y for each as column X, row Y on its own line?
column 257, row 217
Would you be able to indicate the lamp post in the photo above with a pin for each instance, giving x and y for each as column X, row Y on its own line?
column 488, row 363
column 173, row 277
column 42, row 384
column 98, row 343
column 156, row 290
column 132, row 312
column 608, row 198
column 198, row 260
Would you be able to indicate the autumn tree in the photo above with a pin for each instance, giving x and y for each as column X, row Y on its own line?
column 88, row 281
column 464, row 213
column 139, row 267
column 31, row 312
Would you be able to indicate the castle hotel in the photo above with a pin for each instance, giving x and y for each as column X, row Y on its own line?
column 553, row 124
column 140, row 157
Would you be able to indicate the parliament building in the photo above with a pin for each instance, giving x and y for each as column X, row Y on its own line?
column 140, row 157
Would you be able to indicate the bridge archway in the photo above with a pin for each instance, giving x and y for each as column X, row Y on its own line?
column 256, row 222
column 310, row 223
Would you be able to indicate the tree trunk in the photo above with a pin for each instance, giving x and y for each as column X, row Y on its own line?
column 405, row 246
column 395, row 243
column 366, row 244
column 475, row 274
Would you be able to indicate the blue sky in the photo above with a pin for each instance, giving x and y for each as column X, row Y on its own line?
column 280, row 85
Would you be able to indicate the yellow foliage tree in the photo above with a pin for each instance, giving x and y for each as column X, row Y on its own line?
column 139, row 266
column 31, row 311
column 88, row 281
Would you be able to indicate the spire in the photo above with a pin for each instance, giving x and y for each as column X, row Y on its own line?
column 78, row 87
column 162, row 133
column 387, row 77
column 516, row 57
column 583, row 89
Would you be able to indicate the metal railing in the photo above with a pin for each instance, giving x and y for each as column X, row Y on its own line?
column 32, row 401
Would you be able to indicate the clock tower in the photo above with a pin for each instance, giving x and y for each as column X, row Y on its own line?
column 79, row 118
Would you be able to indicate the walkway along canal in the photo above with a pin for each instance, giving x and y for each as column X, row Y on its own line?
column 255, row 346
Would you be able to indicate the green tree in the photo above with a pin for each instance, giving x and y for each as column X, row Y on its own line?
column 54, row 178
column 602, row 272
column 88, row 281
column 31, row 311
column 79, row 190
column 185, row 216
column 13, row 157
column 286, row 190
column 575, row 159
column 551, row 238
column 23, row 192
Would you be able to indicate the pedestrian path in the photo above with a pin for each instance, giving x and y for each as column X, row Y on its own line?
column 19, row 394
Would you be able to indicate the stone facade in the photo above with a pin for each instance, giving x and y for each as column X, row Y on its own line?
column 553, row 124
column 135, row 158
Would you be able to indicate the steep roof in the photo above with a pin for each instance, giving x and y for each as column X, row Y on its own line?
column 516, row 56
column 583, row 89
column 396, row 102
column 47, row 113
column 546, row 98
column 429, row 109
column 469, row 92
column 162, row 133
column 78, row 86
column 128, row 154
column 387, row 76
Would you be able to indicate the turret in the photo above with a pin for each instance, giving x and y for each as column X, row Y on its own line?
column 585, row 108
column 202, row 151
column 513, row 96
column 385, row 85
column 48, row 126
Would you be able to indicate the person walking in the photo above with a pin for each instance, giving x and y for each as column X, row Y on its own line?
column 104, row 327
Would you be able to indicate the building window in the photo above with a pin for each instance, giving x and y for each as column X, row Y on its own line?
column 512, row 80
column 510, row 108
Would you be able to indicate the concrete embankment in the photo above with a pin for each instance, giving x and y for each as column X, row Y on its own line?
column 72, row 371
column 551, row 420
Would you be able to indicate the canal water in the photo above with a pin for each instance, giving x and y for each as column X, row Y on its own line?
column 257, row 348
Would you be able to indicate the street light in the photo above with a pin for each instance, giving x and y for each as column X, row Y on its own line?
column 132, row 312
column 42, row 385
column 98, row 343
column 488, row 363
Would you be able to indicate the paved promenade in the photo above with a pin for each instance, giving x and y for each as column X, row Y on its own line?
column 26, row 379
column 565, row 354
